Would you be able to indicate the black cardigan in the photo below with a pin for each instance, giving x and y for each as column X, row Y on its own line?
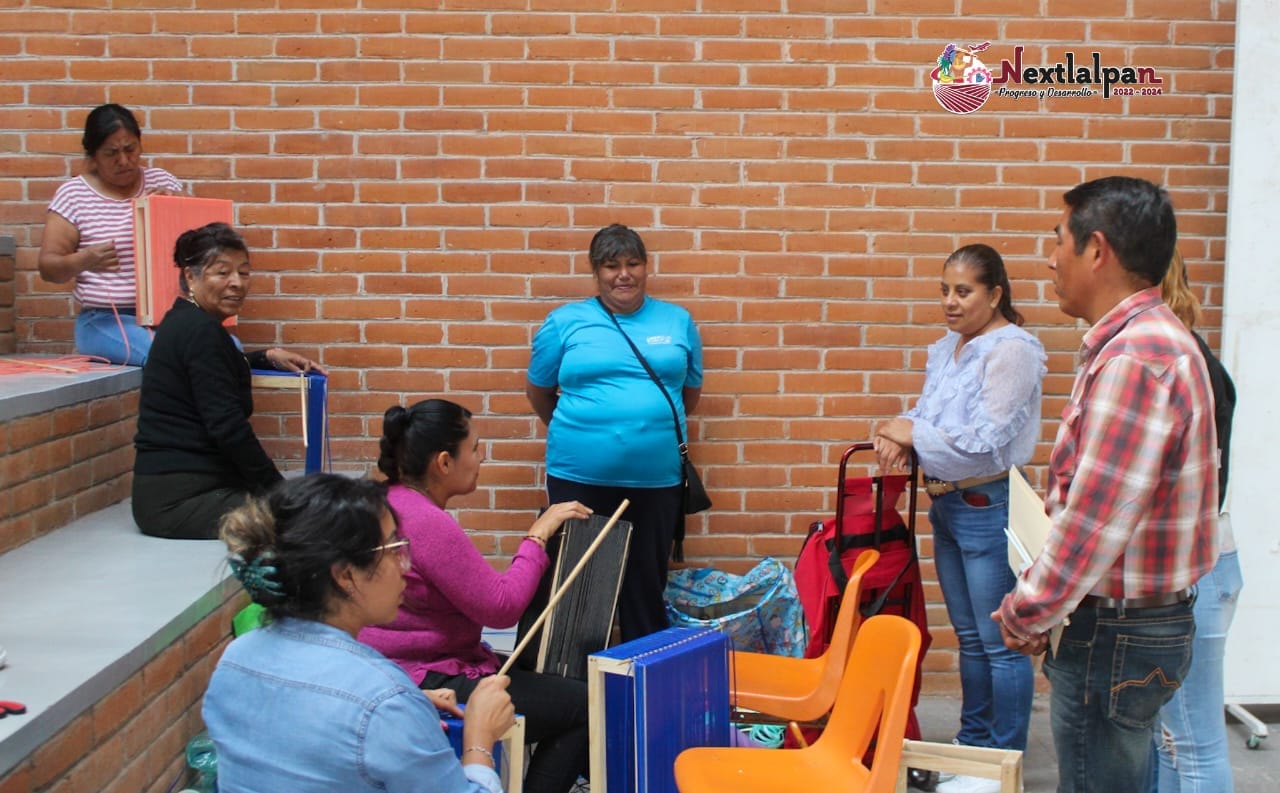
column 193, row 415
column 1224, row 405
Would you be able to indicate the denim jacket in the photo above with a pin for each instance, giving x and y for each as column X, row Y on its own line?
column 301, row 706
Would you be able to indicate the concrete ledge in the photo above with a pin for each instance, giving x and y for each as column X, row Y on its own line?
column 27, row 394
column 85, row 608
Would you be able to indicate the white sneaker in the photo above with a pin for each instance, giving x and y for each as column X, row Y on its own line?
column 947, row 776
column 3, row 656
column 969, row 784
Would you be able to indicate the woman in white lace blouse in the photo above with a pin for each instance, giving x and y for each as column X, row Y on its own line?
column 979, row 414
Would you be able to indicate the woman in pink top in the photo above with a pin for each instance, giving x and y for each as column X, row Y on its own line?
column 431, row 453
column 88, row 235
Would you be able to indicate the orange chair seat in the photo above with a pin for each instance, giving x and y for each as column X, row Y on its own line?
column 779, row 686
column 803, row 689
column 873, row 699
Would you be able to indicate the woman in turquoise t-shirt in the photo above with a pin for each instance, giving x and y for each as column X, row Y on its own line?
column 610, row 433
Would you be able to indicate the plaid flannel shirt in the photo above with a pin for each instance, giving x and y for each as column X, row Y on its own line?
column 1133, row 478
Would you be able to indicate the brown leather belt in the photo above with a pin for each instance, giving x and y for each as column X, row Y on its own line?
column 1144, row 602
column 940, row 487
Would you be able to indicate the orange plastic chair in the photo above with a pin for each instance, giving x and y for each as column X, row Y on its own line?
column 873, row 702
column 802, row 689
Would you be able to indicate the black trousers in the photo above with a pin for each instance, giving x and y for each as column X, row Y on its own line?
column 653, row 513
column 184, row 506
column 555, row 718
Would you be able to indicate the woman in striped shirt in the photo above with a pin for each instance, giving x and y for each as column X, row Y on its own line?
column 88, row 235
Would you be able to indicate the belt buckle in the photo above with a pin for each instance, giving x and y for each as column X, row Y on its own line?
column 937, row 487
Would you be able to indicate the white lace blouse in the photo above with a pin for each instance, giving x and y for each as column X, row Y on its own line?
column 980, row 414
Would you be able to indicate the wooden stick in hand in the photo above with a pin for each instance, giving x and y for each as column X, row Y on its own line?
column 564, row 587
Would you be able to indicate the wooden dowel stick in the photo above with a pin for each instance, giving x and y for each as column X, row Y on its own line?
column 559, row 593
column 798, row 734
column 302, row 390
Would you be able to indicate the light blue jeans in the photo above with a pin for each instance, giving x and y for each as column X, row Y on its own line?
column 122, row 341
column 970, row 552
column 1113, row 672
column 1192, row 740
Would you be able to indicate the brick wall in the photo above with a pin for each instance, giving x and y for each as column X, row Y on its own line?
column 419, row 185
column 63, row 464
column 133, row 740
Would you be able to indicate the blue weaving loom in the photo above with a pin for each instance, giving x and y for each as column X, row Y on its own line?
column 314, row 407
column 651, row 699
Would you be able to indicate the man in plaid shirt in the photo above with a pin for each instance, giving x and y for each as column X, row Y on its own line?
column 1132, row 493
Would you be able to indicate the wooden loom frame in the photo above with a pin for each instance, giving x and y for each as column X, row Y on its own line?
column 309, row 385
column 621, row 661
column 564, row 626
column 1004, row 765
column 158, row 221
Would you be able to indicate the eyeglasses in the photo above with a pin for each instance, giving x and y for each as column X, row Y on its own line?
column 401, row 547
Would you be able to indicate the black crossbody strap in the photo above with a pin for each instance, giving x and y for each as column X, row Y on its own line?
column 675, row 417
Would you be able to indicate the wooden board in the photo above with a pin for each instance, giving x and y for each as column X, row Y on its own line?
column 158, row 221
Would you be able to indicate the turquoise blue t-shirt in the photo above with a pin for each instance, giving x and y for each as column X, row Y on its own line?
column 611, row 426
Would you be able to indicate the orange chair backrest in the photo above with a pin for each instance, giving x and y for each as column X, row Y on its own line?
column 845, row 633
column 875, row 698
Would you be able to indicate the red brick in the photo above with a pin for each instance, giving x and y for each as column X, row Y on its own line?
column 446, row 169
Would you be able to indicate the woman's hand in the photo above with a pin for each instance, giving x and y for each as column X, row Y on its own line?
column 100, row 257
column 890, row 455
column 60, row 259
column 286, row 361
column 548, row 523
column 488, row 716
column 893, row 443
column 445, row 700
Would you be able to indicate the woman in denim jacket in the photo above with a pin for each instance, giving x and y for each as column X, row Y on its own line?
column 300, row 705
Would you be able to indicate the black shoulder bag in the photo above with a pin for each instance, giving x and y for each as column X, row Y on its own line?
column 695, row 495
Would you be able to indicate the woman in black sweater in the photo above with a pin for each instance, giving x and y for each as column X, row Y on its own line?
column 197, row 456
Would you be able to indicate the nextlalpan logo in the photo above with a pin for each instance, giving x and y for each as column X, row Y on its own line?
column 962, row 83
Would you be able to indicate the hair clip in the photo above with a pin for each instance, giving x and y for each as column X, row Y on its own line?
column 259, row 577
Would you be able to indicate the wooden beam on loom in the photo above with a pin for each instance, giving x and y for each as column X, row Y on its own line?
column 285, row 382
column 559, row 593
column 1004, row 765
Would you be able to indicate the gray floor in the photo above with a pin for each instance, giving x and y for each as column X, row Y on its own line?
column 1256, row 770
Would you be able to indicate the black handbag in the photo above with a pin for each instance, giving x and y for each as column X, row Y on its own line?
column 695, row 495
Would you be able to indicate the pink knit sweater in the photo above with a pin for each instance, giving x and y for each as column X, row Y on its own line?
column 450, row 593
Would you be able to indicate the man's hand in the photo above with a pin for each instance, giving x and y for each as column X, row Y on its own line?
column 1033, row 646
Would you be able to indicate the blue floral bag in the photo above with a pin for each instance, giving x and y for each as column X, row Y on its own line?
column 760, row 611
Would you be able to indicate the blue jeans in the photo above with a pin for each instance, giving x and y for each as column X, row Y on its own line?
column 122, row 341
column 970, row 551
column 1112, row 674
column 1192, row 741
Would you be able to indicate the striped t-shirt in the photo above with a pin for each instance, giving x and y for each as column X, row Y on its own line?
column 99, row 218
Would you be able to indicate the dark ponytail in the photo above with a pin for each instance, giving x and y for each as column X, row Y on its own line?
column 410, row 438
